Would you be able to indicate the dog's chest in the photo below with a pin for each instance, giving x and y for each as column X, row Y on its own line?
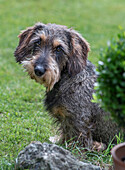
column 71, row 95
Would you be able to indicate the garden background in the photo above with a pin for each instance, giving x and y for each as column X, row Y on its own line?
column 22, row 116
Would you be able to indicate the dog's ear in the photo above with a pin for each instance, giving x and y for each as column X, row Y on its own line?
column 79, row 49
column 22, row 50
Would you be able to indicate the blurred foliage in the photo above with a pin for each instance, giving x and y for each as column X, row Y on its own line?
column 110, row 87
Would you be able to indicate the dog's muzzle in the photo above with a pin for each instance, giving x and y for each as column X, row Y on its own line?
column 39, row 70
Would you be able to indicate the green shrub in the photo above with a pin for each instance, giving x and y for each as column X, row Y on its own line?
column 110, row 87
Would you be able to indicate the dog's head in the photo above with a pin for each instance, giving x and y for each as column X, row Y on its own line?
column 47, row 50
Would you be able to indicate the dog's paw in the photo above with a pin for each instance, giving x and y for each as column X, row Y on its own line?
column 98, row 146
column 54, row 139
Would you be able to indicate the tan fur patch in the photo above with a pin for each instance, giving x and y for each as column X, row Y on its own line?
column 52, row 75
column 56, row 43
column 47, row 79
column 43, row 37
column 59, row 111
column 28, row 66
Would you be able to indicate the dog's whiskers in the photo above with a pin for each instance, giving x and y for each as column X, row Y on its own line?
column 56, row 57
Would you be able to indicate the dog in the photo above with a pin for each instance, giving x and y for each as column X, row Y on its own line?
column 56, row 57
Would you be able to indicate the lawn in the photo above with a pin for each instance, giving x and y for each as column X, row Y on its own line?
column 22, row 115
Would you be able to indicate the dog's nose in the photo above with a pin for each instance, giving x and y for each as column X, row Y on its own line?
column 39, row 70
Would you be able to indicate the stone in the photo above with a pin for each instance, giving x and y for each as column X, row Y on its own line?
column 38, row 156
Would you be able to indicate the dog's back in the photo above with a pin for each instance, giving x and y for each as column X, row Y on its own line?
column 70, row 103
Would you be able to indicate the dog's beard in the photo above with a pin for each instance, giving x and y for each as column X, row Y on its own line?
column 50, row 77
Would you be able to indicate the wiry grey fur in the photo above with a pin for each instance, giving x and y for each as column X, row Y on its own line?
column 61, row 54
column 84, row 119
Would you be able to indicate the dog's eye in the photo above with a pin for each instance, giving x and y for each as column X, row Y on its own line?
column 38, row 42
column 59, row 49
column 36, row 45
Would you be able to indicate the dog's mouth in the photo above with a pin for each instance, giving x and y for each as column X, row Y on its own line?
column 48, row 77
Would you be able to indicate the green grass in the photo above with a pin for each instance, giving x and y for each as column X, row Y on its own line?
column 102, row 158
column 22, row 116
